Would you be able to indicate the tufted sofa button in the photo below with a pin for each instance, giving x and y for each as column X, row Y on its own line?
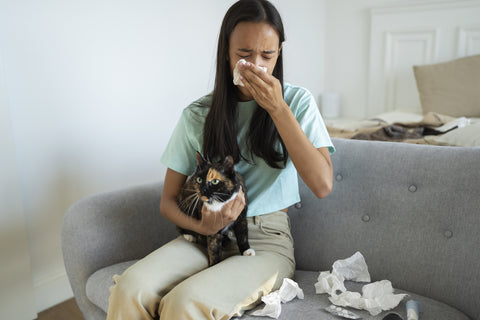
column 366, row 218
column 339, row 177
column 298, row 205
column 448, row 234
column 412, row 188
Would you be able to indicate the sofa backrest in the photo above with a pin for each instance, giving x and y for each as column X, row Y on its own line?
column 413, row 211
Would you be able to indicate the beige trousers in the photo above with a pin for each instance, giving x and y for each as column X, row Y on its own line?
column 174, row 282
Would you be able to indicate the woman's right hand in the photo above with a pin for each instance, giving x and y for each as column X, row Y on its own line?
column 214, row 221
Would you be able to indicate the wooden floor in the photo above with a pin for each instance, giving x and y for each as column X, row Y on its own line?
column 65, row 310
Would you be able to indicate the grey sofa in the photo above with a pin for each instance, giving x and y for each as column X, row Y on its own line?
column 413, row 211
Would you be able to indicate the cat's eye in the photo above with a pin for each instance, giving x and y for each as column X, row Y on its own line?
column 199, row 180
column 215, row 182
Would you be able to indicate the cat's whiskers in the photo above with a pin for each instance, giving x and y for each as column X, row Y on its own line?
column 222, row 193
column 196, row 204
column 193, row 205
column 189, row 204
column 187, row 201
column 217, row 198
column 190, row 196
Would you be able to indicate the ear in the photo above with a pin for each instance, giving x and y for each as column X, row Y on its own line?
column 228, row 164
column 200, row 159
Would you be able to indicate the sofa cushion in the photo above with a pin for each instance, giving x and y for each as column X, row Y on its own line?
column 451, row 87
column 99, row 283
column 309, row 308
column 312, row 306
column 468, row 136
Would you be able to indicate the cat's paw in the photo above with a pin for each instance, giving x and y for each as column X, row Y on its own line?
column 189, row 237
column 250, row 252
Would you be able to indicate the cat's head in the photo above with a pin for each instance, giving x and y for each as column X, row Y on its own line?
column 215, row 182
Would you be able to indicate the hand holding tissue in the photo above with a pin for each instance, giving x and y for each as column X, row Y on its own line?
column 236, row 73
column 375, row 298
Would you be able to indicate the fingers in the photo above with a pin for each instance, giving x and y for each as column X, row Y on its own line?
column 250, row 86
column 216, row 221
column 237, row 205
column 232, row 209
column 254, row 74
column 264, row 88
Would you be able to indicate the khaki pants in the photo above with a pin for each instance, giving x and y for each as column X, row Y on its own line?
column 174, row 282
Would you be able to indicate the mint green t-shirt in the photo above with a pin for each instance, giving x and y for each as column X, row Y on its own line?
column 268, row 189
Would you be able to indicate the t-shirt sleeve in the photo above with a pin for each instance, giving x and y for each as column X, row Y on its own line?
column 312, row 123
column 180, row 152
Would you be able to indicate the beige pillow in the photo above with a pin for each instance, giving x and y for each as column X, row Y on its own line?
column 451, row 88
column 468, row 136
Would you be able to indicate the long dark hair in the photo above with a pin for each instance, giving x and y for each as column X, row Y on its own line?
column 220, row 131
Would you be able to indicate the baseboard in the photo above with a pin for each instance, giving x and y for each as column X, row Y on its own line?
column 51, row 291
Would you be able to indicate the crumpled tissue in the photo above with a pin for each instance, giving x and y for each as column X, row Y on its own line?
column 287, row 292
column 329, row 283
column 354, row 268
column 236, row 73
column 375, row 298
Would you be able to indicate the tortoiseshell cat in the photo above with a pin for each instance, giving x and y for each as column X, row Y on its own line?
column 213, row 185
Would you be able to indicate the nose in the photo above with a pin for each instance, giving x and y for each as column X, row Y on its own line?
column 258, row 59
column 255, row 59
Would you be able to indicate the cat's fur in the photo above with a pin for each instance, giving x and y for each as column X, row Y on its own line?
column 213, row 185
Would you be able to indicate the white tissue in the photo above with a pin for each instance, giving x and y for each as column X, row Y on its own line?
column 290, row 290
column 375, row 298
column 354, row 268
column 348, row 299
column 329, row 283
column 272, row 308
column 287, row 292
column 236, row 73
column 381, row 292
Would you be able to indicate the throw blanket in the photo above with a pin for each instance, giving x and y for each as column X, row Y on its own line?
column 412, row 132
column 399, row 132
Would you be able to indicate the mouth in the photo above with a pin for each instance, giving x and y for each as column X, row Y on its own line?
column 206, row 199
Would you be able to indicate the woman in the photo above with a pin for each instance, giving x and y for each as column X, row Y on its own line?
column 273, row 130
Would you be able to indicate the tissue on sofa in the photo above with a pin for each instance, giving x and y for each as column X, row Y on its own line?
column 287, row 292
column 354, row 268
column 329, row 283
column 375, row 298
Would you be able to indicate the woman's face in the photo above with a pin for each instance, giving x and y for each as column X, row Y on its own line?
column 257, row 43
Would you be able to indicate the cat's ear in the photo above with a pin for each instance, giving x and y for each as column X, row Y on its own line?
column 228, row 164
column 200, row 160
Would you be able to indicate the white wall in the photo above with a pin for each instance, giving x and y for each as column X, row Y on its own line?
column 95, row 89
column 304, row 48
column 16, row 283
column 347, row 50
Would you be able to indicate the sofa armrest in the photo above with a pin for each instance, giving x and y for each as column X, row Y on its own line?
column 108, row 228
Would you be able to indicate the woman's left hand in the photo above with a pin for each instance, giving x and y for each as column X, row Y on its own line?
column 264, row 87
